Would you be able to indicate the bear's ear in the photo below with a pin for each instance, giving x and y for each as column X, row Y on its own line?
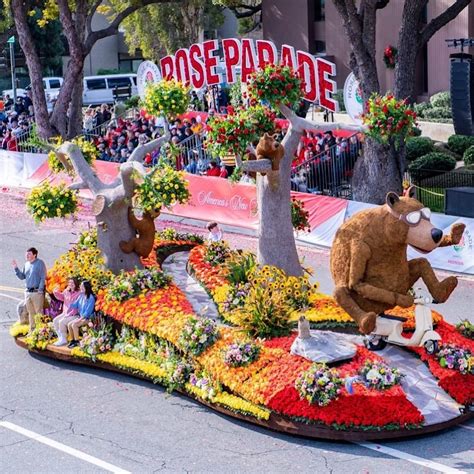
column 411, row 192
column 391, row 199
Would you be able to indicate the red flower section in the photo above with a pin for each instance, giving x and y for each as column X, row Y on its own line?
column 459, row 386
column 386, row 408
column 208, row 275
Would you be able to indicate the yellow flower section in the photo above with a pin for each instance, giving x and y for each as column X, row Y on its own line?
column 232, row 402
column 18, row 329
column 126, row 362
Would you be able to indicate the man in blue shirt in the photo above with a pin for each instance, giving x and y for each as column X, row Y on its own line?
column 34, row 274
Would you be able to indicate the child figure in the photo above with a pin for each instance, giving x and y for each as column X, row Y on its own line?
column 215, row 233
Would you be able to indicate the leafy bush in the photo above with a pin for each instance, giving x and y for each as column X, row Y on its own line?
column 441, row 99
column 167, row 97
column 216, row 253
column 469, row 156
column 419, row 146
column 132, row 102
column 88, row 149
column 437, row 113
column 240, row 266
column 460, row 143
column 416, row 132
column 128, row 285
column 431, row 165
column 339, row 96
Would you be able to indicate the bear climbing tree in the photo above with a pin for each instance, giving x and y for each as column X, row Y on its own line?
column 280, row 88
column 117, row 226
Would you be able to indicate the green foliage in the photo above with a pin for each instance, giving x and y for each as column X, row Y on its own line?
column 162, row 187
column 216, row 253
column 387, row 118
column 437, row 113
column 232, row 134
column 133, row 102
column 299, row 216
column 106, row 72
column 235, row 93
column 441, row 99
column 128, row 285
column 173, row 26
column 339, row 96
column 167, row 97
column 89, row 151
column 275, row 84
column 460, row 143
column 468, row 156
column 48, row 41
column 431, row 164
column 48, row 201
column 418, row 146
column 240, row 265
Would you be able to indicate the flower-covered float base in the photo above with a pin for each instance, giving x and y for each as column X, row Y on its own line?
column 162, row 338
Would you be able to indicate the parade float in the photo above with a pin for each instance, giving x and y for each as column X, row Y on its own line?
column 250, row 335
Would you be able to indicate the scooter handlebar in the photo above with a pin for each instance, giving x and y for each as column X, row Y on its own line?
column 422, row 300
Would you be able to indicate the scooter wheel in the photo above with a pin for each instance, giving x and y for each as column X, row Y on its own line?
column 431, row 347
column 376, row 344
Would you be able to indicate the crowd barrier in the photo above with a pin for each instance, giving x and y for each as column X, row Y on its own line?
column 236, row 204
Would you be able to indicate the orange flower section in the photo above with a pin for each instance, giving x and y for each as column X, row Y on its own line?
column 163, row 312
column 210, row 276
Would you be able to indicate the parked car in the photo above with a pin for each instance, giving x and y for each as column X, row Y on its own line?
column 100, row 89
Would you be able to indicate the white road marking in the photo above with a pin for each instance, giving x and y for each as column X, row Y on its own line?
column 410, row 458
column 14, row 289
column 11, row 297
column 467, row 427
column 62, row 447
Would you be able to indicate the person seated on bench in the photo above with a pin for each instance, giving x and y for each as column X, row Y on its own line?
column 60, row 322
column 85, row 306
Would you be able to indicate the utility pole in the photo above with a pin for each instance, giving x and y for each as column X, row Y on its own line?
column 11, row 42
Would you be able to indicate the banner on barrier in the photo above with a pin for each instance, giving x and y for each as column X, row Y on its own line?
column 236, row 204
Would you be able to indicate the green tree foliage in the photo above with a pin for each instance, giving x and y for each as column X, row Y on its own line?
column 159, row 29
column 48, row 40
column 248, row 13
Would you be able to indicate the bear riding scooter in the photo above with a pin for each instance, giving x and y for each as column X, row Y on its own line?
column 389, row 329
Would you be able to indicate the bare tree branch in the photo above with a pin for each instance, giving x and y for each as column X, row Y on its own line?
column 248, row 10
column 92, row 11
column 436, row 23
column 140, row 152
column 80, row 165
column 112, row 29
column 78, row 185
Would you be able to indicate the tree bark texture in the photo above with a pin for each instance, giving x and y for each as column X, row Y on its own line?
column 19, row 10
column 381, row 168
column 376, row 172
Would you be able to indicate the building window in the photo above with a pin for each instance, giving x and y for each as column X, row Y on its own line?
column 319, row 10
column 319, row 47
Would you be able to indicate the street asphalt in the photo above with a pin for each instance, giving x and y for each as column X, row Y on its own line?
column 90, row 417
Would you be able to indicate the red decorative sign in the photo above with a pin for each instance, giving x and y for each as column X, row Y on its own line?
column 198, row 66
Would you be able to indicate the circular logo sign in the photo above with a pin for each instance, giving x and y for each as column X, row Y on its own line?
column 353, row 98
column 147, row 72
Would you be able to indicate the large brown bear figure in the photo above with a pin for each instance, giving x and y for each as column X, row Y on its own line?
column 369, row 262
column 268, row 147
column 145, row 228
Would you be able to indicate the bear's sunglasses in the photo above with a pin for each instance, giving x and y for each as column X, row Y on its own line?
column 414, row 218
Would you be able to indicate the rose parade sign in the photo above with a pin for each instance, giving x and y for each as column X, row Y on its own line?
column 198, row 66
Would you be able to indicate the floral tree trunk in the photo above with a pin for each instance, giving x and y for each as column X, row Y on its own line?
column 276, row 240
column 111, row 201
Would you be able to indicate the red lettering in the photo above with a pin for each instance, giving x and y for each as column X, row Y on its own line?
column 248, row 59
column 232, row 53
column 266, row 53
column 181, row 60
column 288, row 56
column 167, row 67
column 326, row 86
column 210, row 61
column 197, row 66
column 307, row 73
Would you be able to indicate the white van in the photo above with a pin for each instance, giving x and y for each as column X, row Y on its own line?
column 51, row 88
column 100, row 89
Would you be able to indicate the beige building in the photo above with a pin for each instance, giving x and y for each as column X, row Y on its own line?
column 315, row 26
